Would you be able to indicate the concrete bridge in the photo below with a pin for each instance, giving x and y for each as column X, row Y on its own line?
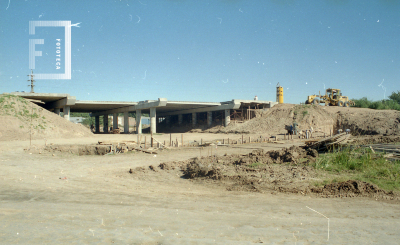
column 159, row 110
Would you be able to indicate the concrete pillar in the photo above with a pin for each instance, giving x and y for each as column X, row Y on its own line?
column 180, row 119
column 138, row 121
column 227, row 117
column 66, row 112
column 105, row 123
column 97, row 124
column 194, row 119
column 115, row 120
column 126, row 122
column 57, row 111
column 153, row 121
column 209, row 118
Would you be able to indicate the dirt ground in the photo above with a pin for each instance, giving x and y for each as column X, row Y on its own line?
column 195, row 195
column 22, row 120
column 64, row 198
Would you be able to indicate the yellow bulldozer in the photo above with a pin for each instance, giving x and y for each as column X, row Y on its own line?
column 332, row 97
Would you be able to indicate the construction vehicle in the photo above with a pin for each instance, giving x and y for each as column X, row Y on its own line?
column 332, row 97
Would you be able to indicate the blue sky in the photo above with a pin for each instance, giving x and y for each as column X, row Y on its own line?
column 208, row 50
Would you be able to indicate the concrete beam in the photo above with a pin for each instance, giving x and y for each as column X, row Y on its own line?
column 234, row 104
column 153, row 124
column 126, row 122
column 68, row 101
column 142, row 105
column 115, row 120
column 118, row 110
column 66, row 111
column 138, row 121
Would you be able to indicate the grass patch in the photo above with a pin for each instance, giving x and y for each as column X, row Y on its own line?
column 255, row 165
column 359, row 164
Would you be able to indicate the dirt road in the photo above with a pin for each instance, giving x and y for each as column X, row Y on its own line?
column 94, row 200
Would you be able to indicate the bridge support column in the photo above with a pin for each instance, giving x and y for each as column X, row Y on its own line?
column 138, row 121
column 97, row 124
column 153, row 124
column 66, row 110
column 115, row 120
column 126, row 122
column 180, row 119
column 57, row 111
column 209, row 118
column 105, row 123
column 194, row 119
column 227, row 117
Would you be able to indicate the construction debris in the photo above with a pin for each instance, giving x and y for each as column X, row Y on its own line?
column 391, row 151
column 149, row 150
column 116, row 142
column 330, row 142
column 115, row 131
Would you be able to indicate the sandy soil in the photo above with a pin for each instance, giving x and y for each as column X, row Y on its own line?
column 59, row 197
column 67, row 198
column 21, row 119
column 361, row 121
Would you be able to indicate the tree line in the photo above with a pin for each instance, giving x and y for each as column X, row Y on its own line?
column 393, row 103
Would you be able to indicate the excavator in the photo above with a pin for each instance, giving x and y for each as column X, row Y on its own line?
column 332, row 97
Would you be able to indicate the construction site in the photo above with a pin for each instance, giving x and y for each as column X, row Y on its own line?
column 231, row 172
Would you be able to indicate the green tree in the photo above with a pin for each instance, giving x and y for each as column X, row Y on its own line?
column 395, row 96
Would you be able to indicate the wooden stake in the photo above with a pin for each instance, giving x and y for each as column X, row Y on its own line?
column 170, row 140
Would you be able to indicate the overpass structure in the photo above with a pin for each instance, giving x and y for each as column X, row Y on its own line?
column 159, row 110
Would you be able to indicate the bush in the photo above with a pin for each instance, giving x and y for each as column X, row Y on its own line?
column 378, row 105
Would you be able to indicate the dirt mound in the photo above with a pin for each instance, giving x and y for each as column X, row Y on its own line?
column 350, row 188
column 287, row 171
column 363, row 121
column 20, row 118
column 257, row 171
column 373, row 139
column 276, row 120
column 322, row 119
